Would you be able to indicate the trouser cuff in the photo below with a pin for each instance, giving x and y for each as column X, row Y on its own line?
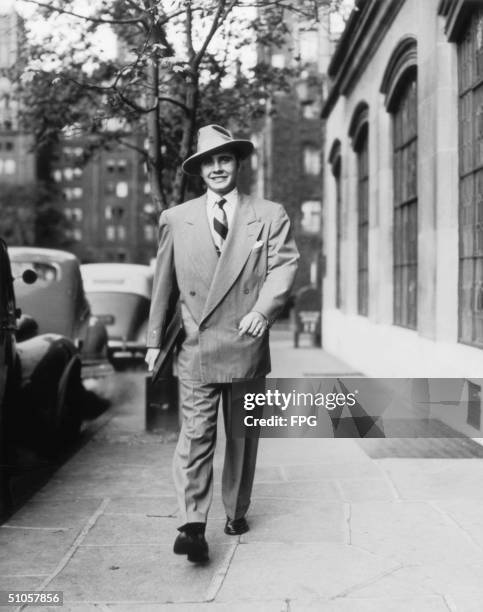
column 193, row 528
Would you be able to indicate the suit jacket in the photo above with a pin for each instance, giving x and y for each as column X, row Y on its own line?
column 254, row 272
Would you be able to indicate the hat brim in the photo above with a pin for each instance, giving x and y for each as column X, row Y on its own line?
column 243, row 148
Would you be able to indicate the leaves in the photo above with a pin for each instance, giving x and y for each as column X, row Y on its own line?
column 179, row 64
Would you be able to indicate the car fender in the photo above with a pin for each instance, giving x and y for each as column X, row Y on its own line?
column 50, row 375
column 94, row 343
column 31, row 352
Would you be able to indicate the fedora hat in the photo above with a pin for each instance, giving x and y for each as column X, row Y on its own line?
column 213, row 139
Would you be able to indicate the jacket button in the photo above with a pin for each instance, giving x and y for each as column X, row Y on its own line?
column 246, row 290
column 192, row 292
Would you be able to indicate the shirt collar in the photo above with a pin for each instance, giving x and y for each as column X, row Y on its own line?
column 212, row 198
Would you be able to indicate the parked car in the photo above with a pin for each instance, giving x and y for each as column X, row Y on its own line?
column 58, row 301
column 120, row 296
column 40, row 384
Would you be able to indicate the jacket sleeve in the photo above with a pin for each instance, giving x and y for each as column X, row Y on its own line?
column 282, row 266
column 165, row 288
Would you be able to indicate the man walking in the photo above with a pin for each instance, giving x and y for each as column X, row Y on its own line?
column 230, row 261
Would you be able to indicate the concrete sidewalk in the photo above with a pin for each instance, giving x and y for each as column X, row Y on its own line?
column 331, row 528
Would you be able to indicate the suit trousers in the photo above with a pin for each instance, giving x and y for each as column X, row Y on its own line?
column 193, row 458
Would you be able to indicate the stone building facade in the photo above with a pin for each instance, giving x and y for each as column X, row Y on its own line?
column 403, row 210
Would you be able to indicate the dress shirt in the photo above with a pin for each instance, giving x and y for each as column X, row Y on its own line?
column 229, row 207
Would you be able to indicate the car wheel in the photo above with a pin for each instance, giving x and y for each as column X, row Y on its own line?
column 56, row 392
column 68, row 419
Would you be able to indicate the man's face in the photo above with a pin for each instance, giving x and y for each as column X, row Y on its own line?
column 219, row 171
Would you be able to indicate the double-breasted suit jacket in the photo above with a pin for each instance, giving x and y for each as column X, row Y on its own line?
column 255, row 271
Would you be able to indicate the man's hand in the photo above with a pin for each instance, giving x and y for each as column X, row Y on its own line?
column 151, row 356
column 254, row 324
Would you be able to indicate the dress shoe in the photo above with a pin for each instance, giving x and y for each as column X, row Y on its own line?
column 192, row 544
column 236, row 526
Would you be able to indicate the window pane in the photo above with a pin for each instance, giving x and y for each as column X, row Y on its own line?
column 122, row 189
column 363, row 224
column 405, row 161
column 470, row 74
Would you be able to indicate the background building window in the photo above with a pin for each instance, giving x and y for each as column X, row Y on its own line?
column 122, row 189
column 311, row 160
column 278, row 60
column 311, row 216
column 10, row 166
column 470, row 72
column 110, row 232
column 405, row 236
column 309, row 46
column 362, row 151
column 149, row 232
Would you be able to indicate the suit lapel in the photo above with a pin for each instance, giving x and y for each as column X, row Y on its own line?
column 199, row 241
column 240, row 240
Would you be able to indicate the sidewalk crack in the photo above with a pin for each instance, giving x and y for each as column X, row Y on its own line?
column 348, row 519
column 390, row 482
column 73, row 547
column 368, row 582
column 220, row 574
column 451, row 520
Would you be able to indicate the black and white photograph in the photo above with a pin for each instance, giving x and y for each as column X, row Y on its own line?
column 241, row 305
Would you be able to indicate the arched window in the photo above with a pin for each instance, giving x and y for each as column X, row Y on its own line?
column 336, row 163
column 359, row 133
column 470, row 72
column 400, row 86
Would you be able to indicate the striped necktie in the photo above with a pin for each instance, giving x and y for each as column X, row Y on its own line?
column 220, row 225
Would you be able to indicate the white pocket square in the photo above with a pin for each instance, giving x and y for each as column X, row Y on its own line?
column 258, row 245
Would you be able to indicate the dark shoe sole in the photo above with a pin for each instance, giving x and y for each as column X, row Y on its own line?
column 195, row 558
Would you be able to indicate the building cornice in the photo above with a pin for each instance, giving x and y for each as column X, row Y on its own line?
column 457, row 13
column 365, row 30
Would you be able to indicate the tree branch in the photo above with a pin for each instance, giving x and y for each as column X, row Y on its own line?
column 214, row 26
column 134, row 105
column 189, row 30
column 92, row 19
column 175, row 102
column 130, row 145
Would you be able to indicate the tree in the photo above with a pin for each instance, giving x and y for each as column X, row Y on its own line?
column 180, row 65
column 29, row 216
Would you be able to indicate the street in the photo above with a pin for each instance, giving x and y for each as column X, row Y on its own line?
column 330, row 527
